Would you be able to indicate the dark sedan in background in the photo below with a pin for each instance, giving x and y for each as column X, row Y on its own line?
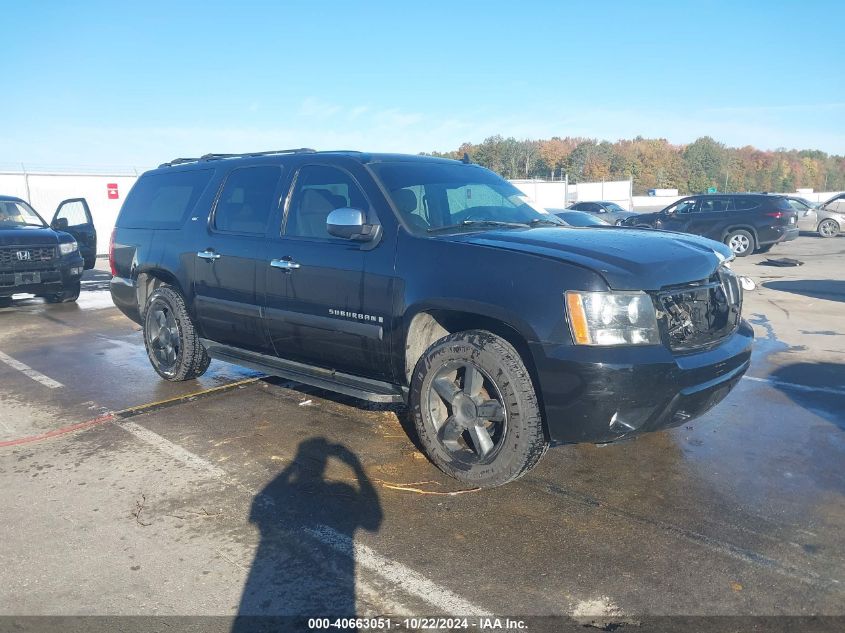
column 610, row 212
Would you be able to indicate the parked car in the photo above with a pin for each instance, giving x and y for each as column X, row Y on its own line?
column 610, row 212
column 826, row 219
column 578, row 218
column 41, row 259
column 747, row 223
column 433, row 282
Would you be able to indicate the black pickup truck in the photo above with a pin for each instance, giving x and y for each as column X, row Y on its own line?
column 41, row 259
column 432, row 282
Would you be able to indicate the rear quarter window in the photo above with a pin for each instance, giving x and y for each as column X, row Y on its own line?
column 163, row 200
column 746, row 204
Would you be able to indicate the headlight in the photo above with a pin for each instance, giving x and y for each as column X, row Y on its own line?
column 612, row 318
column 66, row 248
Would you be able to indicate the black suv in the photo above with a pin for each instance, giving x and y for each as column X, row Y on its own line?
column 41, row 259
column 433, row 282
column 745, row 222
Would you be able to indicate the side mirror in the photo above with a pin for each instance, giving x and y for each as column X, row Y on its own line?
column 60, row 224
column 349, row 224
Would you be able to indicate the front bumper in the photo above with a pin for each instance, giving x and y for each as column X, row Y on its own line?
column 593, row 394
column 54, row 275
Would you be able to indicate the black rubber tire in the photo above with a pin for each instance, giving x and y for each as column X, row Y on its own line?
column 741, row 233
column 192, row 360
column 524, row 442
column 766, row 248
column 5, row 302
column 69, row 294
column 834, row 230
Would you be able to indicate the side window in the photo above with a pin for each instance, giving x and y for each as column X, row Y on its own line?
column 247, row 200
column 592, row 207
column 74, row 212
column 715, row 205
column 686, row 206
column 319, row 190
column 162, row 200
column 746, row 203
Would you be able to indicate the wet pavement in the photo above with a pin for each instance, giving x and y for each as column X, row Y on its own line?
column 268, row 497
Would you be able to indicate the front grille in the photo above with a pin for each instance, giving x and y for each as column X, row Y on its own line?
column 700, row 314
column 31, row 257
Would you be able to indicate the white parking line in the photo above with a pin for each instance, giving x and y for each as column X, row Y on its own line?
column 397, row 574
column 169, row 448
column 796, row 387
column 29, row 371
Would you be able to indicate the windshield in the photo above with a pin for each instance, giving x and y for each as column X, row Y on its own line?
column 440, row 197
column 17, row 213
column 614, row 208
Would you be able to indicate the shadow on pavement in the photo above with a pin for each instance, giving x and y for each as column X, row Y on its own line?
column 829, row 405
column 830, row 289
column 307, row 516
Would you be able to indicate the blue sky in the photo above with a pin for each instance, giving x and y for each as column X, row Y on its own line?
column 107, row 83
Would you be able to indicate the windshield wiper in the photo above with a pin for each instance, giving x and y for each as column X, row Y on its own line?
column 493, row 223
column 546, row 221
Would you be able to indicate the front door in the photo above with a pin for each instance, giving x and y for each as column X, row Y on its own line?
column 678, row 216
column 73, row 216
column 228, row 292
column 322, row 305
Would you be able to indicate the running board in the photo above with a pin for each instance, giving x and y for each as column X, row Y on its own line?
column 364, row 388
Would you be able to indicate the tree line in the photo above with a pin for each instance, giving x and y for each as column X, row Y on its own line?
column 656, row 163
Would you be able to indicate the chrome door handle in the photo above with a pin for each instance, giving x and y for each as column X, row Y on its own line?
column 208, row 254
column 284, row 264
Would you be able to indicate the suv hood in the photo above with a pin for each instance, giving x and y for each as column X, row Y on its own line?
column 628, row 259
column 27, row 236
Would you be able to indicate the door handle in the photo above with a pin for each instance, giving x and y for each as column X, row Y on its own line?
column 284, row 264
column 208, row 255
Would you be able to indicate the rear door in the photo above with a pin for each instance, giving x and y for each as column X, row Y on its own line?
column 74, row 216
column 711, row 217
column 228, row 292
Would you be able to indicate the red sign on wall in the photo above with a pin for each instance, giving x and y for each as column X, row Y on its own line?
column 111, row 188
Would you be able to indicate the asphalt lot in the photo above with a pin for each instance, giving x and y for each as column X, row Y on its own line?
column 237, row 494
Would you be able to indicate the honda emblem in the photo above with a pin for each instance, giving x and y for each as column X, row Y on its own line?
column 24, row 256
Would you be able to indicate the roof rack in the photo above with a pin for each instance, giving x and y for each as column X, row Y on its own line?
column 209, row 157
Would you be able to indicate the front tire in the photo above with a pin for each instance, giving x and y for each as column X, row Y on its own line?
column 69, row 294
column 475, row 409
column 741, row 242
column 171, row 340
column 828, row 228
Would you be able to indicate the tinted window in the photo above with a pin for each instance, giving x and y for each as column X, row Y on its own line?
column 247, row 199
column 715, row 205
column 320, row 190
column 683, row 207
column 163, row 200
column 746, row 203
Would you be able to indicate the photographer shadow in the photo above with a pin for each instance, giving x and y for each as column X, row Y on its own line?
column 304, row 565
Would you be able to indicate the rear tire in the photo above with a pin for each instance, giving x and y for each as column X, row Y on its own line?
column 69, row 294
column 829, row 228
column 741, row 242
column 475, row 409
column 171, row 340
column 5, row 302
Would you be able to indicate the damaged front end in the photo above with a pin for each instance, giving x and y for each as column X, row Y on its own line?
column 696, row 315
